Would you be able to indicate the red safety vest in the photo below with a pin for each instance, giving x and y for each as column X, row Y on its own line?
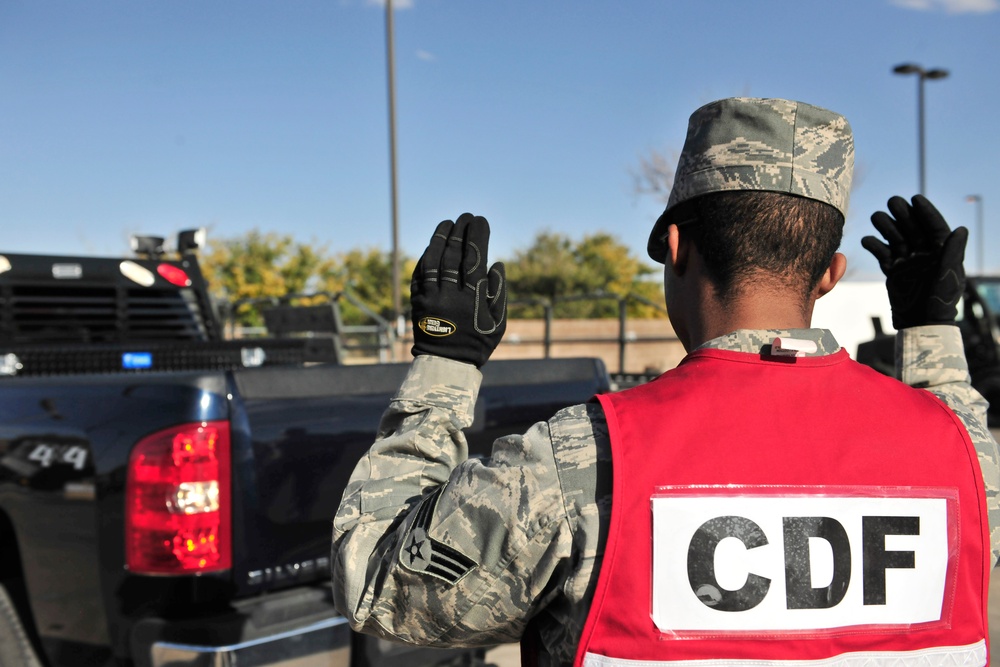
column 773, row 510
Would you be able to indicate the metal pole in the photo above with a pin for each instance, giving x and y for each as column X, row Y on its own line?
column 548, row 330
column 922, row 75
column 980, row 232
column 622, row 333
column 920, row 133
column 397, row 298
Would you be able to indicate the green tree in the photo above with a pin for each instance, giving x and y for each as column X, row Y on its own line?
column 558, row 270
column 367, row 276
column 257, row 267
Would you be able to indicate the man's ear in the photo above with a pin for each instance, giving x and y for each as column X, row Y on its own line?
column 832, row 275
column 678, row 250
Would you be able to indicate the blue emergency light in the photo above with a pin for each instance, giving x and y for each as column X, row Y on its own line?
column 137, row 360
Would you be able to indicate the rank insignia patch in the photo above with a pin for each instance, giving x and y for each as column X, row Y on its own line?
column 422, row 554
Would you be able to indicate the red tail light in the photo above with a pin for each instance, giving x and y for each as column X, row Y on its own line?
column 174, row 275
column 177, row 501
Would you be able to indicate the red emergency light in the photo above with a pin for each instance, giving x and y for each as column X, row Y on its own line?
column 174, row 275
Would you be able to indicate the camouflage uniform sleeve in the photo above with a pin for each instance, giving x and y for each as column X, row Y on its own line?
column 433, row 549
column 933, row 358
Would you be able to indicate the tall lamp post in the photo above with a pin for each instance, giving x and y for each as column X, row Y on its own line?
column 980, row 242
column 922, row 75
column 397, row 300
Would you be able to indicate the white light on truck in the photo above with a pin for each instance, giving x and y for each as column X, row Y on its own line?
column 71, row 271
column 137, row 274
column 4, row 264
column 10, row 364
column 195, row 498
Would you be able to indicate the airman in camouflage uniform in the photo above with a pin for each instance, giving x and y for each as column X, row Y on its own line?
column 432, row 548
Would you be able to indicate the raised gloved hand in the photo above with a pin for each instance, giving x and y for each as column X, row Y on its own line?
column 922, row 262
column 459, row 306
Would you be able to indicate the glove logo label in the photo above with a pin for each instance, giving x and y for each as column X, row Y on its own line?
column 435, row 326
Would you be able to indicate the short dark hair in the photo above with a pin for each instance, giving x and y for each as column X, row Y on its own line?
column 740, row 234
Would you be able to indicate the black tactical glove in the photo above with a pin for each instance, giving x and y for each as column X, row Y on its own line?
column 459, row 307
column 922, row 262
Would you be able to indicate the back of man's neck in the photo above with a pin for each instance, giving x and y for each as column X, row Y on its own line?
column 753, row 308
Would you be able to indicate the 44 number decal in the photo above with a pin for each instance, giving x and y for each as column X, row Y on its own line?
column 48, row 455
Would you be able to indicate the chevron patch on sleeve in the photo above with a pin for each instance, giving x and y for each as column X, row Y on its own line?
column 424, row 555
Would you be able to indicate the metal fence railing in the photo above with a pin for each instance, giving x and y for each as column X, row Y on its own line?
column 623, row 339
column 380, row 340
column 375, row 340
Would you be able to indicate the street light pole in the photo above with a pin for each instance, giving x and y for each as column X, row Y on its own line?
column 397, row 300
column 980, row 241
column 922, row 75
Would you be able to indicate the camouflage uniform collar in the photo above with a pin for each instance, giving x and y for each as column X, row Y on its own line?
column 758, row 341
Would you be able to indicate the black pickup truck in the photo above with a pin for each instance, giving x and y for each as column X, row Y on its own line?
column 979, row 322
column 166, row 494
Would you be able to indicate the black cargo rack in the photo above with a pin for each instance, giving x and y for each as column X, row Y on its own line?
column 145, row 357
column 68, row 300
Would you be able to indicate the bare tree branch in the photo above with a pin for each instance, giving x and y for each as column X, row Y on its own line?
column 654, row 175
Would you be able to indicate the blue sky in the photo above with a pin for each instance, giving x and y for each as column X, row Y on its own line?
column 122, row 116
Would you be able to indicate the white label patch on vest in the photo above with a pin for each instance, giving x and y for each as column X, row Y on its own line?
column 810, row 560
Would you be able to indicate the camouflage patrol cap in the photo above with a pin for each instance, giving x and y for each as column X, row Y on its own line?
column 774, row 145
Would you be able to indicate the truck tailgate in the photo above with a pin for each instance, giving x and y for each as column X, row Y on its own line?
column 307, row 428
